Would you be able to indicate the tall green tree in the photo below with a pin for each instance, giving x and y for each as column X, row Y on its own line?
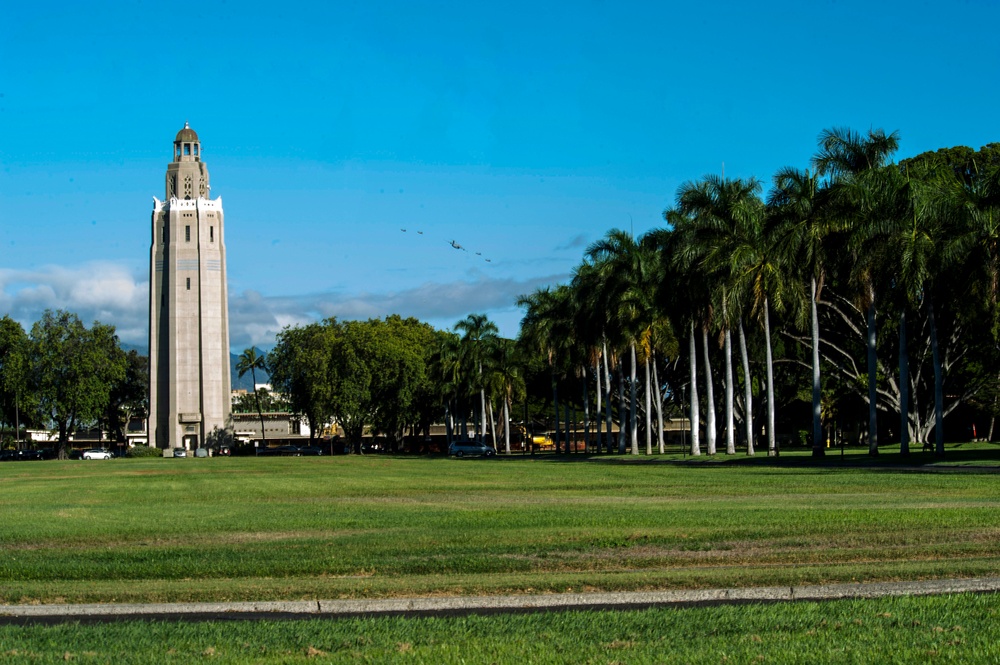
column 300, row 367
column 801, row 230
column 129, row 397
column 13, row 360
column 506, row 380
column 252, row 360
column 854, row 163
column 547, row 329
column 478, row 335
column 72, row 370
column 630, row 272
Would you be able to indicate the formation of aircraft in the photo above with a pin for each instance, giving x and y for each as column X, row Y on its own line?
column 454, row 244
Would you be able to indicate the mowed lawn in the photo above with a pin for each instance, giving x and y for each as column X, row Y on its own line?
column 377, row 526
column 956, row 629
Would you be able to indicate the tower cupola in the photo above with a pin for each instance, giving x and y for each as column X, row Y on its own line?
column 187, row 148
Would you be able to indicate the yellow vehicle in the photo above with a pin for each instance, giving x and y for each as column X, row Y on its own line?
column 542, row 441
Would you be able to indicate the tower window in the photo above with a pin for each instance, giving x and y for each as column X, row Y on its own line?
column 187, row 234
column 196, row 148
column 187, row 148
column 211, row 234
column 188, row 283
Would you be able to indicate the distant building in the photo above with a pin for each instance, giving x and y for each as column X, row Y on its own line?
column 189, row 374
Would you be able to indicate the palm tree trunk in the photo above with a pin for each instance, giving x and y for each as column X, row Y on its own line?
column 695, row 416
column 938, row 385
column 597, row 375
column 904, row 387
column 817, row 447
column 555, row 404
column 872, row 381
column 568, row 427
column 506, row 425
column 772, row 444
column 586, row 411
column 730, row 427
column 622, row 407
column 649, row 412
column 659, row 407
column 607, row 402
column 709, row 396
column 633, row 426
column 493, row 427
column 482, row 406
column 449, row 425
column 260, row 414
column 747, row 390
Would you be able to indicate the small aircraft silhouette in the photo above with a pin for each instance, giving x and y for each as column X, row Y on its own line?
column 479, row 253
column 420, row 233
column 489, row 261
column 403, row 230
column 457, row 246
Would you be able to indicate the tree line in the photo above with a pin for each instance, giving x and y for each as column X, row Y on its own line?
column 852, row 289
column 64, row 374
column 394, row 376
column 857, row 295
column 857, row 284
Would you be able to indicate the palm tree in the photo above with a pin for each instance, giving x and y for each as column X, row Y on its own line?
column 631, row 274
column 547, row 327
column 446, row 369
column 251, row 361
column 853, row 163
column 721, row 218
column 478, row 336
column 506, row 380
column 796, row 209
column 744, row 252
column 686, row 299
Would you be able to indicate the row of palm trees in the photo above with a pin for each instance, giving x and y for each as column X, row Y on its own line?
column 873, row 234
column 473, row 368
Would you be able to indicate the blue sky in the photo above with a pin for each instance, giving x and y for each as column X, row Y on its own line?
column 523, row 131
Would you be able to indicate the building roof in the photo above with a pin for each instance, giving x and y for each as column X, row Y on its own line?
column 186, row 135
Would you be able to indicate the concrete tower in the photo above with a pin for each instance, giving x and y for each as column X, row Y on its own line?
column 189, row 384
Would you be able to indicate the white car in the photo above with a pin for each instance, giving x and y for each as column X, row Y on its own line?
column 97, row 453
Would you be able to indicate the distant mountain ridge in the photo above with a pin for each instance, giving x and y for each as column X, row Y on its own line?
column 244, row 383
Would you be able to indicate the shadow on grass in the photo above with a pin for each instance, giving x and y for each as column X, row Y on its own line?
column 958, row 457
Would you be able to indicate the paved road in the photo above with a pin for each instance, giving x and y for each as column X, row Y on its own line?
column 480, row 604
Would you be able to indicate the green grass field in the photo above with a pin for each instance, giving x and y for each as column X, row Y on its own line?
column 377, row 526
column 960, row 628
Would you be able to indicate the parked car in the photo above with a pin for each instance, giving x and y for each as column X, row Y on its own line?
column 470, row 449
column 280, row 451
column 97, row 453
column 180, row 452
column 311, row 450
column 29, row 455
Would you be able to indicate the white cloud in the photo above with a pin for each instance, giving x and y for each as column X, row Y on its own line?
column 114, row 294
column 256, row 319
column 97, row 291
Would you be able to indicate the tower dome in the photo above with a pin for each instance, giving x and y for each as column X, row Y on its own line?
column 187, row 148
column 186, row 135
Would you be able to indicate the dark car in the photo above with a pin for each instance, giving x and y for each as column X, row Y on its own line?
column 32, row 455
column 311, row 451
column 280, row 451
column 470, row 449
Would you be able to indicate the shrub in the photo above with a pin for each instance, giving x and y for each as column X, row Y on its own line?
column 144, row 451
